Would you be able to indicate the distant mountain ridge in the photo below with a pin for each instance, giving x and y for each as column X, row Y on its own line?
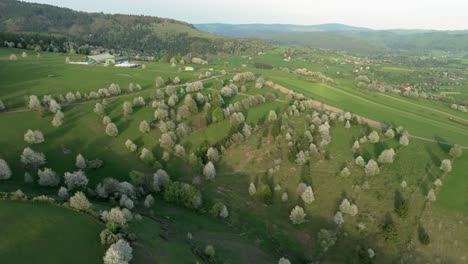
column 347, row 38
column 246, row 30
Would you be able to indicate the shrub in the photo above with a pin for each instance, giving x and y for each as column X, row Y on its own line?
column 423, row 235
column 265, row 194
column 326, row 239
column 183, row 194
column 210, row 251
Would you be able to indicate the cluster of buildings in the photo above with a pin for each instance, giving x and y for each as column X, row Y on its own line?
column 109, row 59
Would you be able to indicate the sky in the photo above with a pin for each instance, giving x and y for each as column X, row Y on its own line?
column 376, row 14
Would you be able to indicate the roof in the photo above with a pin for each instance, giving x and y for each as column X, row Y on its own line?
column 99, row 57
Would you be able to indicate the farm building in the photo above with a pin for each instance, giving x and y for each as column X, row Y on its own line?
column 106, row 58
column 406, row 87
column 101, row 58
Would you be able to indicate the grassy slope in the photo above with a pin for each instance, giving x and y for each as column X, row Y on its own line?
column 419, row 121
column 267, row 225
column 40, row 233
column 29, row 75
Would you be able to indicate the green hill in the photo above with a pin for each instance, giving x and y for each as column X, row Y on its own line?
column 348, row 38
column 143, row 34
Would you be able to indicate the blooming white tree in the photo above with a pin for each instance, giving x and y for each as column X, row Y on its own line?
column 34, row 137
column 126, row 202
column 149, row 201
column 212, row 154
column 106, row 120
column 70, row 97
column 127, row 108
column 116, row 216
column 284, row 197
column 345, row 172
column 373, row 137
column 353, row 210
column 2, row 105
column 438, row 183
column 403, row 184
column 224, row 212
column 372, row 168
column 360, row 161
column 386, row 156
column 130, row 145
column 209, row 171
column 146, row 155
column 119, row 253
column 166, row 141
column 54, row 106
column 63, row 193
column 99, row 109
column 302, row 157
column 111, row 130
column 32, row 158
column 34, row 102
column 345, row 206
column 144, row 127
column 76, row 179
column 308, row 195
column 80, row 202
column 456, row 151
column 48, row 177
column 160, row 178
column 390, row 133
column 139, row 101
column 297, row 215
column 431, row 197
column 284, row 261
column 404, row 141
column 179, row 151
column 57, row 121
column 355, row 146
column 80, row 162
column 338, row 218
column 252, row 189
column 5, row 171
column 159, row 81
column 446, row 166
column 347, row 125
column 272, row 116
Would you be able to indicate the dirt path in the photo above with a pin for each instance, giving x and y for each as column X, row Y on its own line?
column 361, row 119
column 424, row 107
column 322, row 106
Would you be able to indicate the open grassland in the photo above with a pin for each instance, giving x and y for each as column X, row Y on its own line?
column 243, row 164
column 230, row 246
column 41, row 233
column 256, row 231
column 49, row 74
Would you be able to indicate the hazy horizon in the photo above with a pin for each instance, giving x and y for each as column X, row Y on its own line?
column 398, row 14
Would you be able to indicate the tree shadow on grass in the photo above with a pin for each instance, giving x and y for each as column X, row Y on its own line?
column 434, row 158
column 443, row 143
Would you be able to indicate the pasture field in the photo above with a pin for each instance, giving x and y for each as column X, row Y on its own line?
column 42, row 233
column 258, row 229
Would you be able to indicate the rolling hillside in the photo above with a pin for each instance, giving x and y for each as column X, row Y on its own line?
column 123, row 32
column 348, row 38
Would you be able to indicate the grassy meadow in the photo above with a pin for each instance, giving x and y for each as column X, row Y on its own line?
column 255, row 231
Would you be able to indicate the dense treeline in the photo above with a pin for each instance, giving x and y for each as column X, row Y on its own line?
column 143, row 34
